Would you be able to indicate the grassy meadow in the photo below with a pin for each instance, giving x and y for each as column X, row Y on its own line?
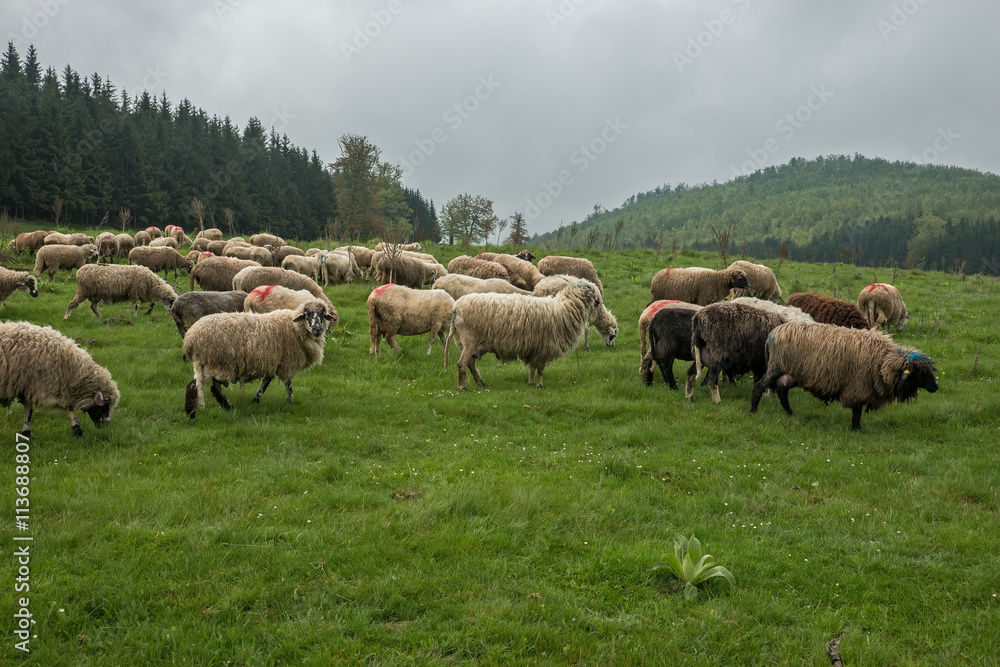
column 386, row 518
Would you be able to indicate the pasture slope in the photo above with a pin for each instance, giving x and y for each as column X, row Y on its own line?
column 386, row 518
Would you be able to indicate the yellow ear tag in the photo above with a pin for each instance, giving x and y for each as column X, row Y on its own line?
column 906, row 372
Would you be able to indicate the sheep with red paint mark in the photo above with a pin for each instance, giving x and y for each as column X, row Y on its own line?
column 882, row 305
column 669, row 329
column 268, row 298
column 647, row 317
column 397, row 310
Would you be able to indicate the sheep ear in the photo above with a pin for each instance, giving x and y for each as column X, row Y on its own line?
column 328, row 316
column 905, row 374
column 298, row 318
column 99, row 399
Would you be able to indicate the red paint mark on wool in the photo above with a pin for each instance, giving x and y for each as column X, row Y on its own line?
column 379, row 291
column 263, row 291
column 479, row 256
column 205, row 255
column 656, row 306
column 871, row 288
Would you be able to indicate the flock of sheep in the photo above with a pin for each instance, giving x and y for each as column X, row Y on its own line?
column 262, row 313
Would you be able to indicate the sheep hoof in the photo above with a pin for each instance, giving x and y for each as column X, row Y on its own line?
column 77, row 430
column 26, row 433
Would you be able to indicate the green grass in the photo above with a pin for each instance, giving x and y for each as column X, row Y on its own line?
column 386, row 518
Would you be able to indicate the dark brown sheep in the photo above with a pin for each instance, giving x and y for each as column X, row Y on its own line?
column 863, row 369
column 829, row 310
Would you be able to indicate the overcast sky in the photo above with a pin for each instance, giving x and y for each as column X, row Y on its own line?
column 549, row 107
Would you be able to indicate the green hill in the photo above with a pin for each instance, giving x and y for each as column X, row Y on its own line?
column 856, row 209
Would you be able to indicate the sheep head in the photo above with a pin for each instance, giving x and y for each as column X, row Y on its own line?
column 30, row 284
column 739, row 280
column 918, row 373
column 316, row 317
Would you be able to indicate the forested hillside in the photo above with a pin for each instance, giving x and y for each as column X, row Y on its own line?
column 854, row 209
column 73, row 149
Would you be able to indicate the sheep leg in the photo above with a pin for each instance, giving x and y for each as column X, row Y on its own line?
column 667, row 371
column 219, row 396
column 444, row 339
column 77, row 430
column 646, row 369
column 191, row 399
column 263, row 387
column 713, row 384
column 93, row 308
column 430, row 343
column 856, row 417
column 391, row 339
column 152, row 305
column 539, row 385
column 586, row 339
column 26, row 431
column 288, row 389
column 692, row 377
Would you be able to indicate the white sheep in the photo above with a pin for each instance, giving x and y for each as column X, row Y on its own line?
column 242, row 347
column 111, row 283
column 512, row 326
column 397, row 310
column 42, row 368
column 459, row 284
column 268, row 298
column 58, row 256
column 11, row 281
column 604, row 321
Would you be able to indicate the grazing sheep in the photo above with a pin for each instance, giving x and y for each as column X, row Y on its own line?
column 512, row 326
column 123, row 245
column 165, row 242
column 526, row 255
column 57, row 238
column 604, row 321
column 251, row 278
column 200, row 244
column 763, row 284
column 42, row 368
column 396, row 310
column 284, row 251
column 29, row 241
column 268, row 298
column 669, row 339
column 572, row 266
column 696, row 285
column 829, row 310
column 404, row 270
column 215, row 274
column 11, row 281
column 522, row 273
column 260, row 255
column 154, row 232
column 55, row 257
column 646, row 318
column 882, row 305
column 177, row 234
column 458, row 285
column 267, row 239
column 211, row 234
column 479, row 268
column 192, row 306
column 216, row 247
column 112, row 283
column 729, row 337
column 382, row 245
column 313, row 267
column 863, row 369
column 242, row 347
column 362, row 255
column 159, row 259
column 142, row 238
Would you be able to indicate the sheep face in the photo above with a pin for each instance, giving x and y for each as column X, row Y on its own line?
column 525, row 255
column 609, row 336
column 316, row 318
column 739, row 280
column 918, row 373
column 100, row 411
column 30, row 284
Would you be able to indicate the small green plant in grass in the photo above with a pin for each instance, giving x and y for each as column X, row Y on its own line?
column 692, row 566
